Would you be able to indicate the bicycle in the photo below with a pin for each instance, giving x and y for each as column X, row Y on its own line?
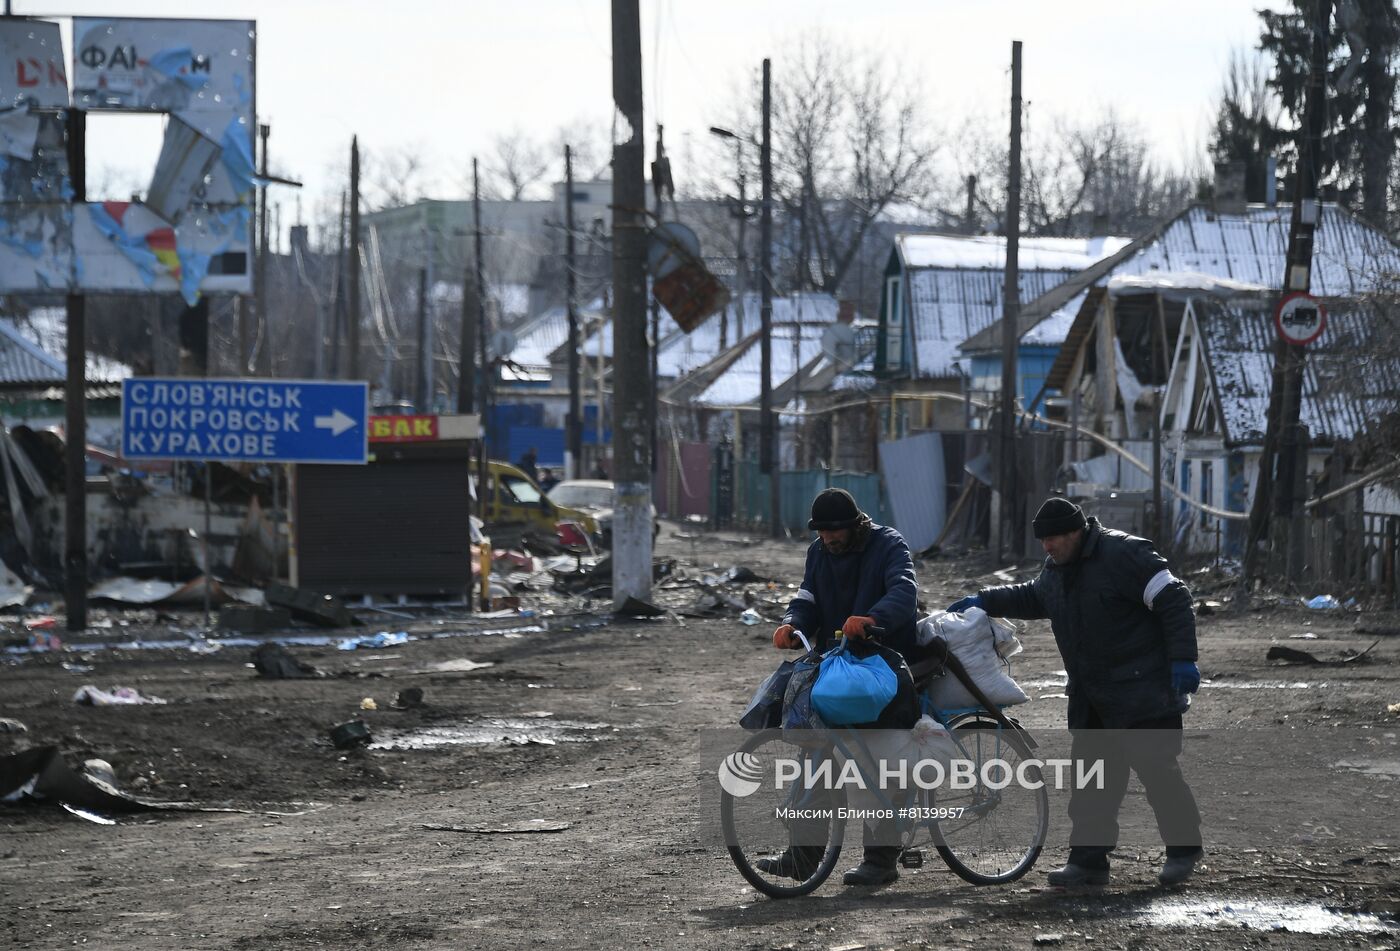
column 985, row 835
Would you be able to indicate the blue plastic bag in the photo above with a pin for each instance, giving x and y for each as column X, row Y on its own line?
column 851, row 690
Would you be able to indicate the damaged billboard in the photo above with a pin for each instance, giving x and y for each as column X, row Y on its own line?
column 192, row 232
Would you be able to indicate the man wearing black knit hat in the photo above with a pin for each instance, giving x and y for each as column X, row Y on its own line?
column 1127, row 634
column 859, row 575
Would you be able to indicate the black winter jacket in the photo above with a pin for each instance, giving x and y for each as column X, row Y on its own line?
column 1120, row 618
column 875, row 581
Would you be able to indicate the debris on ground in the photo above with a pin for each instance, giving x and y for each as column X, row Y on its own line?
column 636, row 607
column 513, row 828
column 12, row 726
column 90, row 696
column 1205, row 608
column 410, row 697
column 45, row 623
column 382, row 639
column 750, row 617
column 1293, row 656
column 13, row 591
column 40, row 774
column 275, row 662
column 1323, row 602
column 350, row 734
column 320, row 609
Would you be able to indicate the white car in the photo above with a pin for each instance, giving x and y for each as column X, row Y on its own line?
column 594, row 496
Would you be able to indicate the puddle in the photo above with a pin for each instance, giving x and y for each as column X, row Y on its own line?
column 526, row 730
column 208, row 645
column 1384, row 768
column 1264, row 684
column 1296, row 917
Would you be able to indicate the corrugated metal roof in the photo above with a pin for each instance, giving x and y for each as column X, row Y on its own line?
column 35, row 354
column 1349, row 256
column 1346, row 383
column 742, row 381
column 948, row 305
column 989, row 252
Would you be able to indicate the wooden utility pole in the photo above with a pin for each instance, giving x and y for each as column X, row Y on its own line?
column 1277, row 490
column 338, row 295
column 353, row 272
column 573, row 455
column 1008, row 534
column 767, row 438
column 631, row 560
column 75, row 573
column 421, row 400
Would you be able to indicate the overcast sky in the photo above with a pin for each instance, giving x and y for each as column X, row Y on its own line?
column 446, row 77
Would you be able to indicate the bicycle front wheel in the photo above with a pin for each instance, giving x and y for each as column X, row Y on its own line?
column 784, row 841
column 995, row 835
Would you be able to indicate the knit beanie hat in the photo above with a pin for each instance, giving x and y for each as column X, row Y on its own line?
column 1057, row 517
column 833, row 509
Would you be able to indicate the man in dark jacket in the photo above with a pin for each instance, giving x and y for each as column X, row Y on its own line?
column 859, row 575
column 1127, row 634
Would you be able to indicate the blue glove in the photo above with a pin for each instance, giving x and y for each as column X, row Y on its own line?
column 1186, row 676
column 972, row 601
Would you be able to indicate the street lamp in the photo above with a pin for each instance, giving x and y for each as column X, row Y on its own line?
column 740, row 212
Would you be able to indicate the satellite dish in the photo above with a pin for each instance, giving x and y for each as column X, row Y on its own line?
column 667, row 247
column 500, row 344
column 839, row 344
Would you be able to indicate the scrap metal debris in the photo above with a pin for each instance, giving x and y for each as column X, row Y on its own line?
column 90, row 696
column 525, row 826
column 1294, row 656
column 277, row 663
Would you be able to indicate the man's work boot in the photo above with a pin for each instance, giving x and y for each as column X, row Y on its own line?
column 1072, row 876
column 797, row 862
column 1178, row 868
column 878, row 868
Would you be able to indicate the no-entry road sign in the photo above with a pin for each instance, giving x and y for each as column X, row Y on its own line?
column 245, row 420
column 1300, row 318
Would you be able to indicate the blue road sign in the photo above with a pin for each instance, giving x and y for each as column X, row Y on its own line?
column 245, row 420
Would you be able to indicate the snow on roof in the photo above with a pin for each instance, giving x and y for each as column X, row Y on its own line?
column 33, row 350
column 1347, row 384
column 1189, row 281
column 742, row 381
column 948, row 305
column 1247, row 249
column 989, row 251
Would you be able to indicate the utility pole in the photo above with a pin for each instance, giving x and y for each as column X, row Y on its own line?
column 75, row 573
column 1009, row 535
column 741, row 277
column 483, row 368
column 573, row 454
column 262, row 355
column 631, row 407
column 1279, row 482
column 353, row 337
column 660, row 176
column 420, row 403
column 338, row 311
column 970, row 216
column 767, row 455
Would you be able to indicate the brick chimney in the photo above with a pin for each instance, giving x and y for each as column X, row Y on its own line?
column 846, row 311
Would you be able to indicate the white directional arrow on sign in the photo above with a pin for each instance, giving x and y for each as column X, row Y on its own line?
column 337, row 422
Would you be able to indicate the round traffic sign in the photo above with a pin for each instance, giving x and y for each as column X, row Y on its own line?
column 1300, row 318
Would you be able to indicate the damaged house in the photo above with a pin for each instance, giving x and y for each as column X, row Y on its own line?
column 1175, row 334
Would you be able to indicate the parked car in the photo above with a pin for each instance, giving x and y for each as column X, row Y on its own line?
column 594, row 496
column 514, row 508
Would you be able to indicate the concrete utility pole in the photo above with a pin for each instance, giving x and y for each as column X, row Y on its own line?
column 353, row 272
column 767, row 448
column 75, row 573
column 573, row 453
column 483, row 369
column 631, row 406
column 1277, row 493
column 1009, row 535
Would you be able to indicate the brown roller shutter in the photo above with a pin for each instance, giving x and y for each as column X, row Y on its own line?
column 397, row 526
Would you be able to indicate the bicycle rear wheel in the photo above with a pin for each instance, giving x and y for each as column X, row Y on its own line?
column 770, row 822
column 998, row 834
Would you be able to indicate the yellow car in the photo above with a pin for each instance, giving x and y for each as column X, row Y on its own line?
column 514, row 509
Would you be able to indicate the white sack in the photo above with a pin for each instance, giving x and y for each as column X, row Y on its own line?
column 983, row 645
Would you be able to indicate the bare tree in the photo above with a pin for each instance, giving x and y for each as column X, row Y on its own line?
column 518, row 163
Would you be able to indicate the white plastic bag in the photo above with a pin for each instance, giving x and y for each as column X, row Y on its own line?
column 982, row 644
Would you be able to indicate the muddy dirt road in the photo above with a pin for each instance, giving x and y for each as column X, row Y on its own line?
column 597, row 729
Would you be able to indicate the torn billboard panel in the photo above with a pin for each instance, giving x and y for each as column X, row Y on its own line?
column 36, row 248
column 199, row 70
column 31, row 65
column 124, row 246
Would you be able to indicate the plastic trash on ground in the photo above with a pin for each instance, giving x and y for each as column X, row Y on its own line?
column 382, row 639
column 91, row 696
column 751, row 617
column 1323, row 602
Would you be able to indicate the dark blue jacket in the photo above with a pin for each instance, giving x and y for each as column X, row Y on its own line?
column 1120, row 618
column 876, row 580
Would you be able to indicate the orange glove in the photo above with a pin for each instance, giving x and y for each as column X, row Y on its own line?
column 785, row 638
column 855, row 626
